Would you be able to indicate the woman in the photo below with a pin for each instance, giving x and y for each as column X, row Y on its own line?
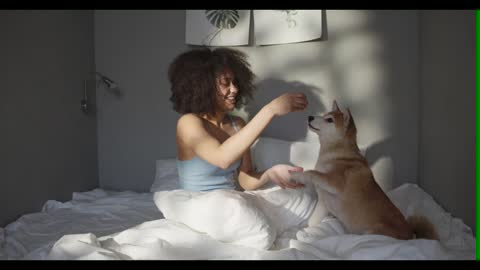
column 213, row 148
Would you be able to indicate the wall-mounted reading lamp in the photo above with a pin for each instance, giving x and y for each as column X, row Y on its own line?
column 109, row 83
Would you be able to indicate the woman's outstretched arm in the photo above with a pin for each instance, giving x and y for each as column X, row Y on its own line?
column 192, row 133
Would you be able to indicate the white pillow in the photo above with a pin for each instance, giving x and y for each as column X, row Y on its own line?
column 267, row 152
column 166, row 175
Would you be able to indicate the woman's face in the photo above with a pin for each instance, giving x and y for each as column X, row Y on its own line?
column 226, row 91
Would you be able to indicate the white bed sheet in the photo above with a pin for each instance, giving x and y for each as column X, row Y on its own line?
column 170, row 240
column 98, row 211
column 103, row 225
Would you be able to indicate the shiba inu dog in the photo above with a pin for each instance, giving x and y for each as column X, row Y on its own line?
column 346, row 186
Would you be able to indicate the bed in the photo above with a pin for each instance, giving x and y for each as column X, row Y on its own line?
column 107, row 225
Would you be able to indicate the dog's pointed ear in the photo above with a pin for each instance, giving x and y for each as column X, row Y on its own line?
column 335, row 106
column 348, row 121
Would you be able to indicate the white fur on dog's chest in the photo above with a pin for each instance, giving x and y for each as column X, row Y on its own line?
column 324, row 168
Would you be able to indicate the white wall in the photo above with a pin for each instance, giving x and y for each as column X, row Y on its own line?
column 369, row 62
column 447, row 141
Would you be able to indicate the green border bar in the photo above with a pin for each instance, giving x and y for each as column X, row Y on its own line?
column 477, row 144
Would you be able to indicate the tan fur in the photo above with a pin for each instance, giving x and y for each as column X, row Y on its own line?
column 423, row 228
column 347, row 188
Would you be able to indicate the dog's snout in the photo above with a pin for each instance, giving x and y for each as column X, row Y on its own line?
column 310, row 118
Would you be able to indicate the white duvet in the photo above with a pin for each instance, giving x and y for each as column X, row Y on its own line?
column 268, row 224
column 97, row 211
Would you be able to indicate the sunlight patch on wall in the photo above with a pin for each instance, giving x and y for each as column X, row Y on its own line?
column 347, row 67
column 363, row 80
column 352, row 47
column 319, row 77
column 283, row 59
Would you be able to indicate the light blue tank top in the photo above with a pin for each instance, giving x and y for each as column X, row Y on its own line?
column 197, row 174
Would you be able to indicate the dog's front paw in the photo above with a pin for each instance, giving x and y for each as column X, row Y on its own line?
column 298, row 177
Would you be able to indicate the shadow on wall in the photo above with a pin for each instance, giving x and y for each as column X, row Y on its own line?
column 396, row 155
column 104, row 97
column 290, row 127
column 377, row 155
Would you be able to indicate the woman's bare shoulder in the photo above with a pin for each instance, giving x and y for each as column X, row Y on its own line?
column 188, row 121
column 189, row 118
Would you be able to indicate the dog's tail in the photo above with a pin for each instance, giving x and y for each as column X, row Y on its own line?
column 422, row 227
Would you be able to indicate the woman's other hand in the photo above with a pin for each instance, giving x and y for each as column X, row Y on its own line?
column 280, row 175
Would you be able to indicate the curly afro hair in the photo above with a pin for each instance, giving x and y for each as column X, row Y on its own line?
column 193, row 74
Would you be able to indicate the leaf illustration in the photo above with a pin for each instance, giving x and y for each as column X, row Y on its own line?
column 290, row 13
column 222, row 19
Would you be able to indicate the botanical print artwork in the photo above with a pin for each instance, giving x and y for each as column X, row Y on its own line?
column 217, row 27
column 290, row 20
column 222, row 18
column 286, row 26
column 230, row 27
